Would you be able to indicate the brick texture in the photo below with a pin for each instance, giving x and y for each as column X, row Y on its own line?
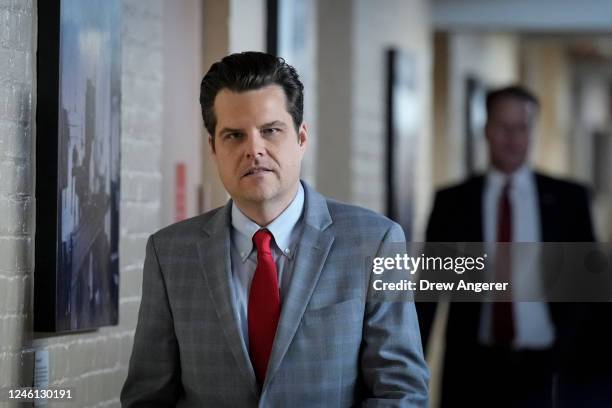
column 16, row 187
column 402, row 25
column 93, row 364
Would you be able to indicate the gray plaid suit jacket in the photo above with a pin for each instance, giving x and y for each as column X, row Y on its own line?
column 332, row 348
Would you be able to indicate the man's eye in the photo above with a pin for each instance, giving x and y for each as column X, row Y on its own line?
column 270, row 131
column 231, row 136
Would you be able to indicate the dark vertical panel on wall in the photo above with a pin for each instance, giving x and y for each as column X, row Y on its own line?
column 390, row 157
column 470, row 161
column 272, row 27
column 47, row 66
column 402, row 140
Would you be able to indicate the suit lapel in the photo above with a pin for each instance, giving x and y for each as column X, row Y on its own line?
column 214, row 253
column 475, row 197
column 549, row 219
column 475, row 234
column 312, row 251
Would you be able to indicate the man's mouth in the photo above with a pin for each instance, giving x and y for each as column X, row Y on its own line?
column 256, row 170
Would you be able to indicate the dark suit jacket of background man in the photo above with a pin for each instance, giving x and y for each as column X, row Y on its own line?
column 564, row 217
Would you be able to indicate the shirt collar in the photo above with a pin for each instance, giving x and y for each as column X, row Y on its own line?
column 521, row 178
column 280, row 228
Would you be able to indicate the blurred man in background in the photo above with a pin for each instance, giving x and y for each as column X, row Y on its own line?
column 510, row 353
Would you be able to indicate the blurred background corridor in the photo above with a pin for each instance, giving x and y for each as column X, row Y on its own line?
column 395, row 105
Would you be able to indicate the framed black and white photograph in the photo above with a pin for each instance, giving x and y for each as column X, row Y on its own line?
column 475, row 112
column 77, row 165
column 402, row 138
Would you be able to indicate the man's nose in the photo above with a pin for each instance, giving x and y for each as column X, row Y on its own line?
column 255, row 145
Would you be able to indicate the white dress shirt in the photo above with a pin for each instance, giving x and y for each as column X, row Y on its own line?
column 285, row 230
column 533, row 326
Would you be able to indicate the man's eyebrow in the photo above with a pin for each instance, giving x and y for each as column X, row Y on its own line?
column 229, row 130
column 276, row 123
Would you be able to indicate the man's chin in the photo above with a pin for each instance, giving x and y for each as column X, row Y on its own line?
column 509, row 166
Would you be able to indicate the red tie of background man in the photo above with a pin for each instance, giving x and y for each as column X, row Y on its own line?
column 503, row 325
column 264, row 305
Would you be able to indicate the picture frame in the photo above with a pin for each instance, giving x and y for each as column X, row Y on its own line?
column 76, row 270
column 402, row 131
column 475, row 116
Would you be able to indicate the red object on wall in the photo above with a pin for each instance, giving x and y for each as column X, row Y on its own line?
column 180, row 195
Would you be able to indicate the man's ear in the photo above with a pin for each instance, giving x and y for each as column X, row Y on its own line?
column 487, row 130
column 303, row 136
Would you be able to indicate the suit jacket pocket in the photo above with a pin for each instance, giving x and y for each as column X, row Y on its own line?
column 348, row 311
column 328, row 342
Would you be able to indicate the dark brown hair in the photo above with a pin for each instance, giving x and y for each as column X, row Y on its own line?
column 247, row 71
column 514, row 91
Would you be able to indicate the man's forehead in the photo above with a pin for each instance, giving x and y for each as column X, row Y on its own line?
column 513, row 102
column 512, row 106
column 262, row 106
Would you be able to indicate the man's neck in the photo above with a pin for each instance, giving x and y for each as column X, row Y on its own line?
column 507, row 172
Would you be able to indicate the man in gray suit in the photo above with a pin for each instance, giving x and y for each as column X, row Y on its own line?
column 262, row 302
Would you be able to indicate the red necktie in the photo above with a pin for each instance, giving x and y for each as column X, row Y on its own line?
column 264, row 305
column 503, row 324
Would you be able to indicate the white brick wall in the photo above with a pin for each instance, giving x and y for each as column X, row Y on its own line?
column 94, row 364
column 404, row 25
column 353, row 37
column 16, row 188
